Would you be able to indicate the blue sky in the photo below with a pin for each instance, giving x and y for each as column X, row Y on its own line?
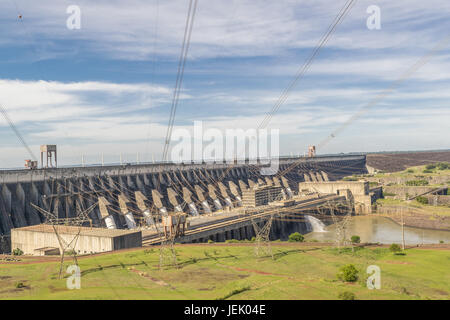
column 107, row 87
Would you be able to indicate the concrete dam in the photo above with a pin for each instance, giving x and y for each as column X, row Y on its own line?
column 126, row 194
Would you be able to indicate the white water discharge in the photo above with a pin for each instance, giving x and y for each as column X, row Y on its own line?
column 315, row 225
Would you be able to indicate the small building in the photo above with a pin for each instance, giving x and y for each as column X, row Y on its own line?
column 42, row 240
column 261, row 195
column 356, row 191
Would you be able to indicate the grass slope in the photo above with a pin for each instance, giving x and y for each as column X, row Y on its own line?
column 232, row 272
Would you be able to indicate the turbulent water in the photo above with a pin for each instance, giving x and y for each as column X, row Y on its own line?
column 382, row 230
column 315, row 225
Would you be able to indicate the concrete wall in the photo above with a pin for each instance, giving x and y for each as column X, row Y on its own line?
column 28, row 241
column 437, row 200
column 356, row 191
column 404, row 192
column 132, row 240
column 355, row 187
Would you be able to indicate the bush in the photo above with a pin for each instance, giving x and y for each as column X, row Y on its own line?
column 296, row 237
column 348, row 273
column 355, row 239
column 427, row 171
column 410, row 171
column 430, row 166
column 443, row 166
column 395, row 248
column 350, row 179
column 232, row 241
column 253, row 239
column 347, row 295
column 416, row 183
column 210, row 241
column 422, row 200
column 20, row 285
column 17, row 252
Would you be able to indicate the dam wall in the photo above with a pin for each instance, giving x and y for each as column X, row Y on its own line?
column 191, row 188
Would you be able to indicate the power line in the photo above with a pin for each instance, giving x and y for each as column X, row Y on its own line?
column 180, row 73
column 16, row 131
column 301, row 72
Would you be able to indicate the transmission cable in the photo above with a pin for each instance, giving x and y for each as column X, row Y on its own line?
column 180, row 73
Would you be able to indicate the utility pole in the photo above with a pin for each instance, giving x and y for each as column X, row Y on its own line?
column 403, row 230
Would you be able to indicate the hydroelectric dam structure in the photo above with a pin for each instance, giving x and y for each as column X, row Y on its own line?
column 126, row 194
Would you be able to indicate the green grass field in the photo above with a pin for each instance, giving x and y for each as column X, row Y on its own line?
column 216, row 271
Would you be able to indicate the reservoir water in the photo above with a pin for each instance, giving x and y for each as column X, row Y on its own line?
column 382, row 230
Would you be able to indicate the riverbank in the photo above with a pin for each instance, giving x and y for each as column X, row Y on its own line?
column 417, row 220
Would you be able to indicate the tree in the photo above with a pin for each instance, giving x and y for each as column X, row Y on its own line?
column 355, row 239
column 348, row 273
column 296, row 237
column 422, row 199
column 395, row 248
column 17, row 252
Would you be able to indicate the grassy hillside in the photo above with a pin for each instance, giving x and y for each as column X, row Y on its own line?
column 214, row 271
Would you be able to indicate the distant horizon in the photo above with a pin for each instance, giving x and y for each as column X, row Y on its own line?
column 95, row 164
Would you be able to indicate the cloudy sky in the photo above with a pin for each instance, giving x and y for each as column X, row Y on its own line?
column 107, row 87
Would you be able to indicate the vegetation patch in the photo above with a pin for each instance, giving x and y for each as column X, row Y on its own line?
column 296, row 237
column 416, row 183
column 348, row 273
column 347, row 295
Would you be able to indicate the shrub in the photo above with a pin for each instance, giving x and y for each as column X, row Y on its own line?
column 395, row 248
column 355, row 239
column 427, row 171
column 347, row 295
column 253, row 239
column 210, row 241
column 388, row 194
column 348, row 273
column 296, row 237
column 422, row 200
column 17, row 252
column 232, row 241
column 416, row 183
column 20, row 285
column 410, row 171
column 441, row 241
column 430, row 166
column 443, row 165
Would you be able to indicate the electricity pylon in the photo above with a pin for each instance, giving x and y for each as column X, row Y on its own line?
column 54, row 221
column 262, row 240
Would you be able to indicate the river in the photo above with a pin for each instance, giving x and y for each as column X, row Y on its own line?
column 382, row 230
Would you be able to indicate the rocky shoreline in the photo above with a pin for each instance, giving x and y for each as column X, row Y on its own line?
column 418, row 220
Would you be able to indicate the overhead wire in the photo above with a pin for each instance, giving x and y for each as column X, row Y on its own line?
column 180, row 72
